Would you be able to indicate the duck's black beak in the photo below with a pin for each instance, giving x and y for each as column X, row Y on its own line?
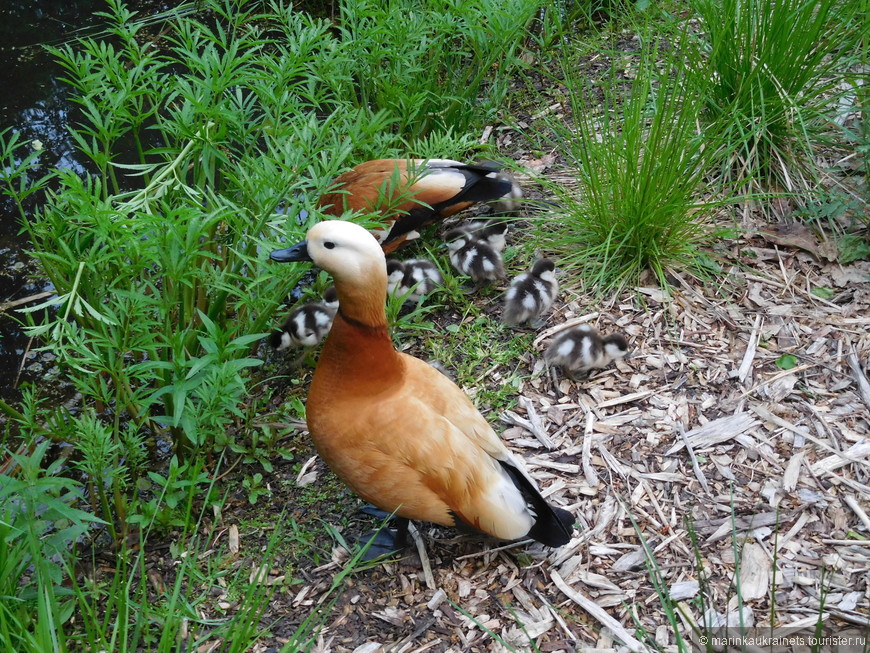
column 299, row 252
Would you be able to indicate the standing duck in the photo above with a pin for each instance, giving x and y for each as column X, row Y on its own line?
column 399, row 433
column 412, row 193
column 306, row 325
column 531, row 294
column 412, row 278
column 582, row 349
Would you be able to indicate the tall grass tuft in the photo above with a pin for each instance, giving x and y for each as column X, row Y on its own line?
column 770, row 77
column 635, row 163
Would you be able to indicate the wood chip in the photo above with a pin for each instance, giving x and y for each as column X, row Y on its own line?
column 860, row 378
column 719, row 430
column 424, row 558
column 586, row 453
column 755, row 565
column 852, row 502
column 695, row 467
column 625, row 399
column 599, row 615
column 792, row 472
column 749, row 354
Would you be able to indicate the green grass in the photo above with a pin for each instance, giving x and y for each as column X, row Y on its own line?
column 637, row 202
column 433, row 66
column 122, row 609
column 484, row 356
column 770, row 75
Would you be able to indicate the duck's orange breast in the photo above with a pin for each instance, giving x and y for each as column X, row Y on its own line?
column 385, row 424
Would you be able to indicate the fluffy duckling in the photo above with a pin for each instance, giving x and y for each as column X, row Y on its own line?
column 415, row 193
column 399, row 433
column 412, row 278
column 492, row 233
column 582, row 348
column 308, row 324
column 474, row 258
column 531, row 294
column 511, row 201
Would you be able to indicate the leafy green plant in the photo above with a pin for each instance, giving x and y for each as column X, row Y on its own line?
column 770, row 78
column 255, row 487
column 263, row 446
column 787, row 362
column 19, row 162
column 433, row 66
column 172, row 497
column 852, row 248
column 159, row 264
column 638, row 164
column 39, row 524
column 448, row 144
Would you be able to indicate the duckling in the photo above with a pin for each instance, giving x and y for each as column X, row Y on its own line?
column 306, row 325
column 415, row 193
column 531, row 294
column 510, row 202
column 492, row 233
column 582, row 348
column 412, row 278
column 474, row 258
column 399, row 433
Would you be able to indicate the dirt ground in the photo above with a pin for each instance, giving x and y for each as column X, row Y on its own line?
column 699, row 453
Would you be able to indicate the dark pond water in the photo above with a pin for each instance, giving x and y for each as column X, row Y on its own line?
column 34, row 102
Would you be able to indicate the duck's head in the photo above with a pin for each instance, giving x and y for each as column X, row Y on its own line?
column 615, row 346
column 354, row 259
column 544, row 268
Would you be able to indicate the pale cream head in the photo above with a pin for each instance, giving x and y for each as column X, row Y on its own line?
column 357, row 263
column 345, row 250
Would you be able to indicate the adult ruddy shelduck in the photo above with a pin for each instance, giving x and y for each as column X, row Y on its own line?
column 401, row 434
column 412, row 193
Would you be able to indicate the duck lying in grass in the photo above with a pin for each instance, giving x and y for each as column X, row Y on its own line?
column 412, row 193
column 398, row 432
column 531, row 294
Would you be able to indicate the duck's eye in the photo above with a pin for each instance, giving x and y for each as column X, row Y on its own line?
column 329, row 244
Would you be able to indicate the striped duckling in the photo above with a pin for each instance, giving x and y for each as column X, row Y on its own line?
column 582, row 349
column 308, row 324
column 474, row 257
column 490, row 232
column 412, row 278
column 531, row 294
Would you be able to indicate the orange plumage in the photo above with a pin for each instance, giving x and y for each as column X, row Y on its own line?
column 398, row 432
column 412, row 193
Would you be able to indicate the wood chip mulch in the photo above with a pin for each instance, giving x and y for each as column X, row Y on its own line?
column 699, row 452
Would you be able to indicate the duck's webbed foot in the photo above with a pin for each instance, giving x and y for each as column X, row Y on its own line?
column 386, row 540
